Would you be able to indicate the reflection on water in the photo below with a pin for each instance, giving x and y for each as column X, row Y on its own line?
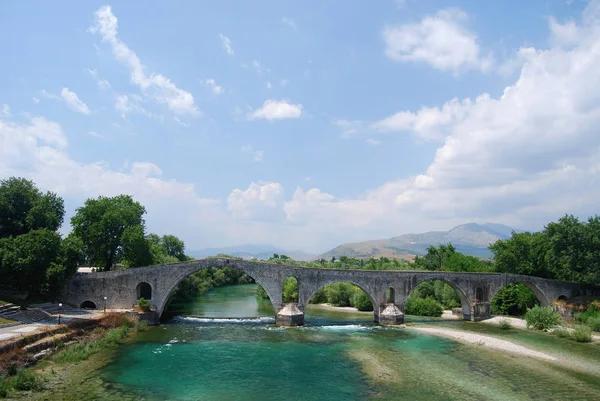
column 206, row 352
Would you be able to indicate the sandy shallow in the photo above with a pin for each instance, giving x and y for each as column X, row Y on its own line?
column 483, row 340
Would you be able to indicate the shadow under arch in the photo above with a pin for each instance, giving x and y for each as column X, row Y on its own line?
column 464, row 300
column 160, row 309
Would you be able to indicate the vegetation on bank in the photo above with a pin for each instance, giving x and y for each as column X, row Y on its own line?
column 111, row 331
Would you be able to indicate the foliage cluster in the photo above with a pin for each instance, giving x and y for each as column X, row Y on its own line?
column 541, row 318
column 581, row 334
column 514, row 299
column 423, row 307
column 567, row 250
column 203, row 280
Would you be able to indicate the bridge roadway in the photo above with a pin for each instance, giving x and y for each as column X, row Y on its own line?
column 122, row 288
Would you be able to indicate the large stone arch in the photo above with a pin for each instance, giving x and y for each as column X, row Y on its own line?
column 464, row 294
column 306, row 292
column 540, row 294
column 273, row 291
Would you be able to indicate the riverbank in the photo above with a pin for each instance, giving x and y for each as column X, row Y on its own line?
column 43, row 362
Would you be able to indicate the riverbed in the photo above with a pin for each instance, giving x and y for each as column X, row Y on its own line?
column 224, row 346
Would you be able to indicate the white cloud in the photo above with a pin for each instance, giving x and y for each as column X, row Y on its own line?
column 260, row 202
column 216, row 89
column 95, row 134
column 35, row 100
column 430, row 123
column 74, row 102
column 440, row 40
column 183, row 124
column 126, row 104
column 156, row 86
column 373, row 142
column 284, row 82
column 227, row 44
column 101, row 83
column 290, row 22
column 256, row 66
column 257, row 155
column 276, row 110
column 5, row 111
column 350, row 127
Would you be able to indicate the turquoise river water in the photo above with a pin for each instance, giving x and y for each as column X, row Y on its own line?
column 205, row 352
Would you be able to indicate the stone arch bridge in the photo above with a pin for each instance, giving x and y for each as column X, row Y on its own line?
column 120, row 289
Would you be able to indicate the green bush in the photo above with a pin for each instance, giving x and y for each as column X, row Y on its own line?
column 541, row 318
column 513, row 299
column 339, row 294
column 582, row 334
column 142, row 325
column 4, row 387
column 561, row 332
column 144, row 304
column 290, row 289
column 423, row 307
column 261, row 293
column 320, row 297
column 360, row 300
column 26, row 380
column 505, row 324
column 594, row 323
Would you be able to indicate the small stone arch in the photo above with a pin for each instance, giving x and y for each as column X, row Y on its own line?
column 143, row 290
column 479, row 297
column 390, row 295
column 562, row 298
column 88, row 305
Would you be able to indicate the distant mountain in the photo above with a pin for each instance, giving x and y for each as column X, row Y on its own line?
column 250, row 251
column 471, row 239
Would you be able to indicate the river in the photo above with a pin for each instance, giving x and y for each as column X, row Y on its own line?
column 205, row 352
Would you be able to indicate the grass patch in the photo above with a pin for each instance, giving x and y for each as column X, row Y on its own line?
column 561, row 332
column 582, row 334
column 24, row 380
column 100, row 339
column 5, row 321
column 594, row 323
column 505, row 324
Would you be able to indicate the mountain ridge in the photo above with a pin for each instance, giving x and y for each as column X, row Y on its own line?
column 470, row 238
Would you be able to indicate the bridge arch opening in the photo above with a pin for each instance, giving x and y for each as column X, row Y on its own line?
column 289, row 292
column 515, row 298
column 340, row 294
column 88, row 305
column 431, row 297
column 143, row 290
column 562, row 298
column 230, row 297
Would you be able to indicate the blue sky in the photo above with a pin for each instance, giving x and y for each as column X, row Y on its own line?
column 306, row 124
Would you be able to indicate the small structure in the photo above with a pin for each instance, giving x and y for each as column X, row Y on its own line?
column 290, row 315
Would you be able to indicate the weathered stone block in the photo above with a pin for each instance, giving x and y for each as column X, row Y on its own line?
column 391, row 315
column 290, row 315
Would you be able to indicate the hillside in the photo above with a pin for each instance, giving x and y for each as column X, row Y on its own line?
column 251, row 251
column 471, row 239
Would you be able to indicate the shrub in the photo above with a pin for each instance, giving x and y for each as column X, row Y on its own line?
column 261, row 293
column 339, row 294
column 360, row 300
column 141, row 326
column 144, row 304
column 26, row 379
column 505, row 324
column 423, row 307
column 582, row 334
column 4, row 387
column 320, row 297
column 541, row 318
column 561, row 332
column 594, row 323
column 113, row 320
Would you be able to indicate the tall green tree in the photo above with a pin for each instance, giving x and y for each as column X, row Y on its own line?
column 136, row 248
column 100, row 224
column 23, row 208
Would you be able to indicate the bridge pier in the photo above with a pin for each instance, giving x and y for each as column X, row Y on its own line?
column 390, row 314
column 480, row 311
column 290, row 315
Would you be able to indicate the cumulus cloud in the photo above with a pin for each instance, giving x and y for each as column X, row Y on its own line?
column 290, row 22
column 440, row 40
column 227, row 44
column 216, row 89
column 260, row 202
column 156, row 86
column 276, row 110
